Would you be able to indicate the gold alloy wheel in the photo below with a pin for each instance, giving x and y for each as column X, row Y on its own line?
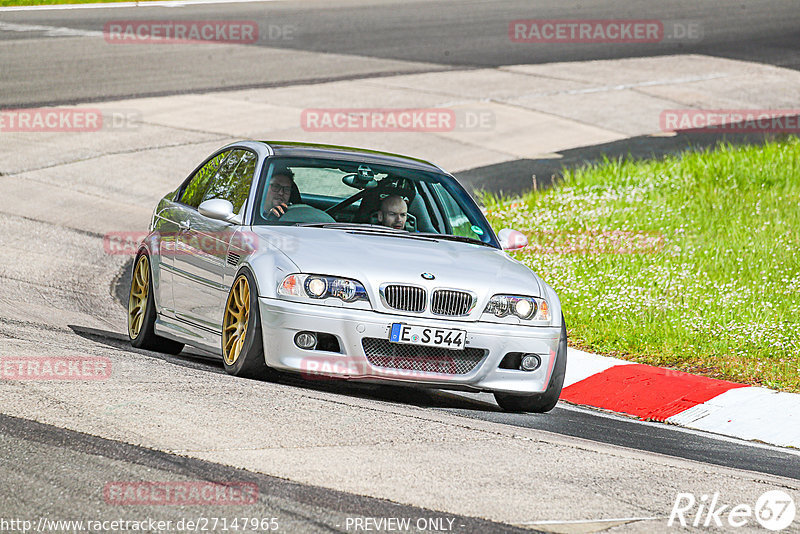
column 137, row 302
column 237, row 313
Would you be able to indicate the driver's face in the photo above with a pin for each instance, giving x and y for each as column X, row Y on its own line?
column 394, row 213
column 279, row 190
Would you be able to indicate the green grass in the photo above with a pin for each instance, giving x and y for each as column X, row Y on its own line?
column 7, row 3
column 691, row 262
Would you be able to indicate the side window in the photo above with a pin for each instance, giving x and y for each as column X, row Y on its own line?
column 459, row 222
column 233, row 179
column 192, row 194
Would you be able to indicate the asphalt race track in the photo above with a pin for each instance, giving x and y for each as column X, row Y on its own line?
column 322, row 454
column 31, row 449
column 356, row 39
column 565, row 419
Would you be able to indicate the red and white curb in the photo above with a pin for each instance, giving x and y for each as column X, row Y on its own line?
column 674, row 397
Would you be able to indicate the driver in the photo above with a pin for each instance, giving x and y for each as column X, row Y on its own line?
column 393, row 212
column 278, row 193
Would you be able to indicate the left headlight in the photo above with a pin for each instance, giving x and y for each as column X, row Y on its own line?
column 528, row 309
column 318, row 287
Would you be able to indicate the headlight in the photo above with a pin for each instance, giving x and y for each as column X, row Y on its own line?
column 316, row 286
column 526, row 308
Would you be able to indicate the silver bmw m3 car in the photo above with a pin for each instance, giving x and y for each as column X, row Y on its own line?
column 338, row 262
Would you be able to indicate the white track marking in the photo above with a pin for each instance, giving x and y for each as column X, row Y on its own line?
column 176, row 3
column 590, row 521
column 651, row 83
column 49, row 31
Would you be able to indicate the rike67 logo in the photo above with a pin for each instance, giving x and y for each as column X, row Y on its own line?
column 774, row 510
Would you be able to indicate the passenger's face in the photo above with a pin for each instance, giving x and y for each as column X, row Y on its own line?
column 279, row 190
column 394, row 213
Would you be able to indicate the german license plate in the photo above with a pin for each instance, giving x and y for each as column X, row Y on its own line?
column 429, row 337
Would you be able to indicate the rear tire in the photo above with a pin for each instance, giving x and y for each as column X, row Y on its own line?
column 142, row 311
column 242, row 341
column 543, row 402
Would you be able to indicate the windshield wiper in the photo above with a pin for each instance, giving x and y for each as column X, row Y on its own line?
column 353, row 226
column 450, row 237
column 380, row 229
column 374, row 229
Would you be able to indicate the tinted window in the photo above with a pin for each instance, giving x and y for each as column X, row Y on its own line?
column 321, row 181
column 455, row 216
column 233, row 178
column 196, row 188
column 353, row 192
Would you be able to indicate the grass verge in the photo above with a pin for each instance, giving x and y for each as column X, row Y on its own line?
column 691, row 262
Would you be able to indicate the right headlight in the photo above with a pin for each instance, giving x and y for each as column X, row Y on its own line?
column 527, row 309
column 319, row 287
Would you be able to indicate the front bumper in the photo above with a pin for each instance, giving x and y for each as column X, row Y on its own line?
column 281, row 320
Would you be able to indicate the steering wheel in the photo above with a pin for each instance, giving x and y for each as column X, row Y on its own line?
column 303, row 213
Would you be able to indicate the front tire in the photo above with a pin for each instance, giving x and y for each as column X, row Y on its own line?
column 142, row 312
column 543, row 402
column 242, row 341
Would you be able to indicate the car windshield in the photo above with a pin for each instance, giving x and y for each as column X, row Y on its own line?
column 377, row 198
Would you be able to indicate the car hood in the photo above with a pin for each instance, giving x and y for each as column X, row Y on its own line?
column 374, row 259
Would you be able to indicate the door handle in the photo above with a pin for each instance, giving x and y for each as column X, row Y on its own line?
column 184, row 226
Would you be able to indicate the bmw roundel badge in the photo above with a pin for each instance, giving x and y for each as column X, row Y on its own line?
column 428, row 276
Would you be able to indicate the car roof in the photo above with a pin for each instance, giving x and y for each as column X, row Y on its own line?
column 313, row 150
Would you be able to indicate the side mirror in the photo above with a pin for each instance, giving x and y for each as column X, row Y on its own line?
column 512, row 239
column 219, row 209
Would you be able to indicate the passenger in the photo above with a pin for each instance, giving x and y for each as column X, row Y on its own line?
column 278, row 193
column 393, row 212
